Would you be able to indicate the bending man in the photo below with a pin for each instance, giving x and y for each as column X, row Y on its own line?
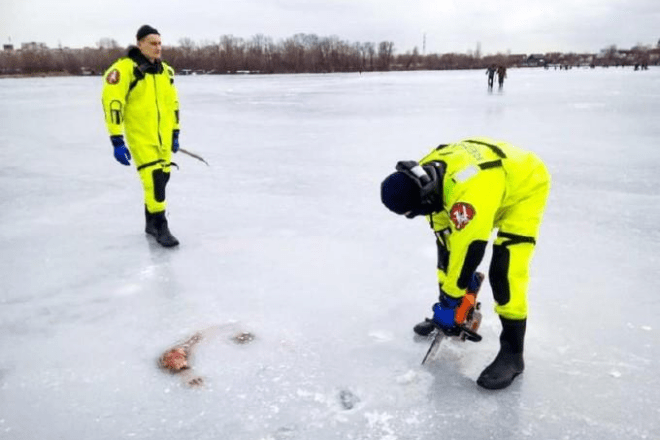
column 465, row 190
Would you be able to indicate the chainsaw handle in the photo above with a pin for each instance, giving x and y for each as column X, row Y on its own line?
column 471, row 335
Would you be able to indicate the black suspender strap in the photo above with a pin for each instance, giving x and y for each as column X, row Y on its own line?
column 150, row 164
column 156, row 162
column 491, row 164
column 515, row 238
column 138, row 73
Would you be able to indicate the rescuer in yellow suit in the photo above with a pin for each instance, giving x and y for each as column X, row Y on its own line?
column 466, row 190
column 140, row 101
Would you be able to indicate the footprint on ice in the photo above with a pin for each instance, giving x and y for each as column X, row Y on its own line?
column 242, row 338
column 348, row 400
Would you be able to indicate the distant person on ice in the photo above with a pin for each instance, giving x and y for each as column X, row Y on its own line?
column 491, row 76
column 501, row 74
column 465, row 190
column 140, row 101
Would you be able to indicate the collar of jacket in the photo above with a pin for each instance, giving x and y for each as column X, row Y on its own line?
column 143, row 64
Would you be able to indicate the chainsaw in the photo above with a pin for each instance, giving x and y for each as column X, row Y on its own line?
column 468, row 319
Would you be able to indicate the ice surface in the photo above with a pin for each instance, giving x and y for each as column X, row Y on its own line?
column 284, row 235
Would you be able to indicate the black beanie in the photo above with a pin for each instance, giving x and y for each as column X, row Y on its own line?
column 400, row 193
column 144, row 31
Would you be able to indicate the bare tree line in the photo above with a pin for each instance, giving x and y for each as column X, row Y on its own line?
column 65, row 61
column 301, row 53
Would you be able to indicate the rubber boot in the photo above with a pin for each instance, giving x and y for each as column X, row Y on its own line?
column 424, row 328
column 150, row 224
column 157, row 226
column 509, row 361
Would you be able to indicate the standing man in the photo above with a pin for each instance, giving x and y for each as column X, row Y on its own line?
column 465, row 190
column 140, row 101
column 490, row 71
column 501, row 74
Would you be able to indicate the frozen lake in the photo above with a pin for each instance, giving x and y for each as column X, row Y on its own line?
column 284, row 235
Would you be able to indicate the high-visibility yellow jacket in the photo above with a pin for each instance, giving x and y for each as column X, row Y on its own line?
column 140, row 101
column 483, row 182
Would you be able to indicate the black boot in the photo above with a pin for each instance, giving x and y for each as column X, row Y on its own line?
column 150, row 227
column 157, row 226
column 509, row 361
column 424, row 328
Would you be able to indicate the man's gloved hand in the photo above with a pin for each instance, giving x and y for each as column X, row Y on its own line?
column 175, row 141
column 444, row 312
column 122, row 154
column 475, row 282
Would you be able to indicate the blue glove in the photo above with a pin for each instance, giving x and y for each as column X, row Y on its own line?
column 475, row 282
column 444, row 312
column 122, row 154
column 175, row 141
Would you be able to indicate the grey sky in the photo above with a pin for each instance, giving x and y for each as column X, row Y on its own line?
column 519, row 26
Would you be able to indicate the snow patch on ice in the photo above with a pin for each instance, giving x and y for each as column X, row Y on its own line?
column 148, row 271
column 128, row 290
column 407, row 378
column 381, row 336
column 588, row 105
column 381, row 421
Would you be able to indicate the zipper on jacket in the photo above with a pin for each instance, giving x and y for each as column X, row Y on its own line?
column 160, row 139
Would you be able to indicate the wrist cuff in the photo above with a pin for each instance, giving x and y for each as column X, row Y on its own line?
column 117, row 140
column 449, row 301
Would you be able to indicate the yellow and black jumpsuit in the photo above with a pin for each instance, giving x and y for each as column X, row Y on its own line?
column 140, row 101
column 489, row 185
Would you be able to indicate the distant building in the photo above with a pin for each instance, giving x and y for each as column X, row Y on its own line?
column 654, row 55
column 8, row 47
column 34, row 46
column 535, row 60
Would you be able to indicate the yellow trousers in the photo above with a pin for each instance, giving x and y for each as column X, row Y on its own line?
column 518, row 229
column 153, row 166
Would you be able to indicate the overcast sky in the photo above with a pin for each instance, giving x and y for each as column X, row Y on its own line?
column 518, row 26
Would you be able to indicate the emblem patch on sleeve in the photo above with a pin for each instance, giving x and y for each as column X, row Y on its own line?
column 112, row 77
column 461, row 214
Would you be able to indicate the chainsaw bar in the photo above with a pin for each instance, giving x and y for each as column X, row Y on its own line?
column 465, row 332
column 435, row 346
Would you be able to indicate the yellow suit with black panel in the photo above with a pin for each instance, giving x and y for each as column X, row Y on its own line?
column 489, row 185
column 140, row 101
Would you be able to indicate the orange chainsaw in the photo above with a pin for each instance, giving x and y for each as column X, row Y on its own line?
column 468, row 319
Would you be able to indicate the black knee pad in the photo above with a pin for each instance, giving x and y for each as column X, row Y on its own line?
column 498, row 274
column 160, row 182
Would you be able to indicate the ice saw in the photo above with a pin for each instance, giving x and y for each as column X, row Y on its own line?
column 468, row 319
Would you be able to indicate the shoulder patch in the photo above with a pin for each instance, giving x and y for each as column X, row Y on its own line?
column 113, row 77
column 461, row 214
